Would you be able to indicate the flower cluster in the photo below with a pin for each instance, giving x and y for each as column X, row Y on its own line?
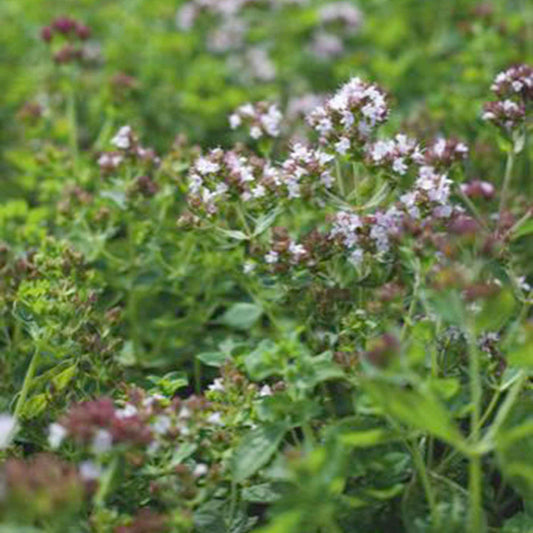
column 517, row 80
column 128, row 146
column 262, row 119
column 341, row 13
column 220, row 175
column 430, row 196
column 338, row 20
column 99, row 424
column 478, row 189
column 72, row 32
column 514, row 87
column 142, row 420
column 188, row 14
column 350, row 116
column 306, row 172
column 373, row 233
column 54, row 484
column 443, row 153
column 284, row 250
column 66, row 27
column 394, row 155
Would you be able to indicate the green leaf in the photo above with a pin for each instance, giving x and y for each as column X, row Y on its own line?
column 265, row 221
column 519, row 523
column 323, row 369
column 61, row 380
column 241, row 316
column 233, row 234
column 514, row 446
column 287, row 522
column 368, row 438
column 263, row 493
column 215, row 359
column 183, row 452
column 418, row 409
column 523, row 230
column 34, row 406
column 495, row 311
column 448, row 305
column 263, row 361
column 522, row 356
column 256, row 449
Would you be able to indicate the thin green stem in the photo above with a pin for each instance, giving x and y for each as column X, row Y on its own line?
column 426, row 483
column 505, row 408
column 73, row 123
column 507, row 179
column 475, row 519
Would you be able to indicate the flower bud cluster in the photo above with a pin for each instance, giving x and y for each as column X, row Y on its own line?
column 478, row 189
column 41, row 487
column 285, row 251
column 67, row 27
column 128, row 146
column 71, row 32
column 514, row 87
column 350, row 116
column 443, row 153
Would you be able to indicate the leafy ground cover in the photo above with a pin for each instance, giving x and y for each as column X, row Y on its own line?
column 265, row 265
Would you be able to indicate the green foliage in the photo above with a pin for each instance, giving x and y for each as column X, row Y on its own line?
column 196, row 340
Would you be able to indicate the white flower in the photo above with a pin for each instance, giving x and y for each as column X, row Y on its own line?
column 265, row 391
column 356, row 257
column 217, row 385
column 235, row 121
column 296, row 250
column 56, row 435
column 248, row 267
column 205, row 166
column 128, row 411
column 272, row 257
column 8, row 428
column 255, row 132
column 215, row 419
column 162, row 424
column 185, row 412
column 102, row 442
column 200, row 470
column 259, row 191
column 122, row 139
column 399, row 165
column 342, row 146
column 90, row 471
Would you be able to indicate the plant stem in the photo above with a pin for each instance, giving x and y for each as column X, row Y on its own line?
column 73, row 124
column 426, row 484
column 475, row 519
column 507, row 179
